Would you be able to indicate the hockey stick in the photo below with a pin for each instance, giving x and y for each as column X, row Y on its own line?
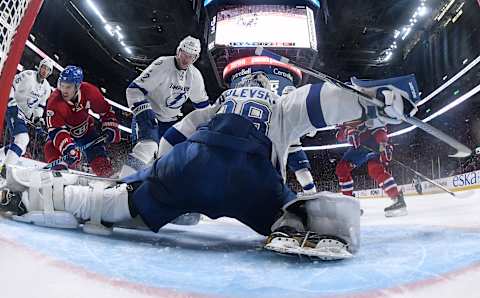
column 37, row 128
column 63, row 158
column 462, row 150
column 415, row 172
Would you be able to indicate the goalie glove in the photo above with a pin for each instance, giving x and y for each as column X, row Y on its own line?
column 386, row 153
column 399, row 95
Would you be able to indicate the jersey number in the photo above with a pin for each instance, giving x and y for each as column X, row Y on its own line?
column 256, row 112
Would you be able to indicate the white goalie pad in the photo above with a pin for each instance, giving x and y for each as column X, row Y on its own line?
column 332, row 214
column 56, row 219
column 19, row 179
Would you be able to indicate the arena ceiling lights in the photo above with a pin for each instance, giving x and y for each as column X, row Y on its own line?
column 402, row 33
column 113, row 30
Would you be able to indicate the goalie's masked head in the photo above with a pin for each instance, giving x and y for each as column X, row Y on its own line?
column 255, row 79
column 69, row 81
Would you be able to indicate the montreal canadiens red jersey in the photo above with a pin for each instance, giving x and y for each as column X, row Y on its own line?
column 70, row 120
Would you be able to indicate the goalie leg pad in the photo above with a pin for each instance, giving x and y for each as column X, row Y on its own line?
column 56, row 219
column 327, row 213
column 43, row 209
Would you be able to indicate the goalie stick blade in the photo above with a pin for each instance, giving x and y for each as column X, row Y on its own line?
column 462, row 150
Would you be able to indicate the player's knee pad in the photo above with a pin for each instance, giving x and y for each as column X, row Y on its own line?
column 102, row 166
column 343, row 169
column 330, row 214
column 42, row 196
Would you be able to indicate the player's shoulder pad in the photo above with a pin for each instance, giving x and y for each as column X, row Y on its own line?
column 89, row 88
column 55, row 99
column 162, row 61
column 56, row 104
column 46, row 84
column 195, row 72
column 29, row 73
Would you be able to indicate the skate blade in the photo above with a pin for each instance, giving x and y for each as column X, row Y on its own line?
column 396, row 213
column 322, row 254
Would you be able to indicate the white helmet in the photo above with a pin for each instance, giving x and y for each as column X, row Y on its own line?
column 190, row 45
column 48, row 63
column 288, row 89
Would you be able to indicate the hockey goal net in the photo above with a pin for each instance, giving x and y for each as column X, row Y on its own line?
column 16, row 21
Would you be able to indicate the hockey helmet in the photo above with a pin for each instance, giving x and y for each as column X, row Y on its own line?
column 191, row 46
column 71, row 74
column 48, row 63
column 255, row 79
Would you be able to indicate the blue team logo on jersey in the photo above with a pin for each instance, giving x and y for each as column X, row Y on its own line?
column 175, row 101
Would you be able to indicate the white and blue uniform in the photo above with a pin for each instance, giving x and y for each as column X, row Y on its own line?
column 27, row 101
column 29, row 95
column 298, row 163
column 156, row 97
column 229, row 159
column 166, row 88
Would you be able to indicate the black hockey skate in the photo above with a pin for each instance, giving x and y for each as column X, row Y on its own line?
column 398, row 208
column 11, row 203
column 286, row 240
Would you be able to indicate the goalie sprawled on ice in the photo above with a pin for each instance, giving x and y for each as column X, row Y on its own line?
column 225, row 160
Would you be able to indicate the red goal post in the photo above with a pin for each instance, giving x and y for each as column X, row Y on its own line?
column 16, row 20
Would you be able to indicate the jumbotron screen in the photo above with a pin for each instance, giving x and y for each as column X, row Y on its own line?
column 263, row 25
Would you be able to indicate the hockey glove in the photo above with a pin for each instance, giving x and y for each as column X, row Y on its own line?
column 71, row 154
column 386, row 153
column 38, row 121
column 39, row 124
column 146, row 121
column 353, row 137
column 111, row 131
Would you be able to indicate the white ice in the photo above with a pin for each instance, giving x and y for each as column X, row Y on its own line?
column 432, row 252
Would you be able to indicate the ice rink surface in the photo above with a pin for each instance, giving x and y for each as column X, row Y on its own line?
column 432, row 252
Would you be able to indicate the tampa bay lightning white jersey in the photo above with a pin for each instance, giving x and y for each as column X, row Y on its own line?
column 283, row 119
column 29, row 94
column 167, row 88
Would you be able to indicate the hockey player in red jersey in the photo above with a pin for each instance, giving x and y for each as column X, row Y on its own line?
column 71, row 126
column 364, row 139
